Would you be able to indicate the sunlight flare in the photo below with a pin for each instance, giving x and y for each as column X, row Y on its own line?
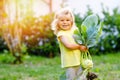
column 18, row 9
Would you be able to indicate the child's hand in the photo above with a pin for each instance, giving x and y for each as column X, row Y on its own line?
column 83, row 48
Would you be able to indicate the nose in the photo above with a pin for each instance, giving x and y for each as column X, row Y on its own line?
column 65, row 21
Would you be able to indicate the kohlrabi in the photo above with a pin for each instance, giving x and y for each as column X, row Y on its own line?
column 88, row 35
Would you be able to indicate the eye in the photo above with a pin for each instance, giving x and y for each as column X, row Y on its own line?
column 61, row 20
column 67, row 20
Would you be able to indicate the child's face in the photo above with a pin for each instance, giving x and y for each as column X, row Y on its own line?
column 65, row 22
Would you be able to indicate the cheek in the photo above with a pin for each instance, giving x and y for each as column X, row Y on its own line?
column 59, row 24
column 71, row 22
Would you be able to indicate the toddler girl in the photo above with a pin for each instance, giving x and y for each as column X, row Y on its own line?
column 63, row 26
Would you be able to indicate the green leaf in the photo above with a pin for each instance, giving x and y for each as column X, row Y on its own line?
column 91, row 37
column 78, row 37
column 90, row 21
column 90, row 31
column 76, row 32
column 84, row 31
column 100, row 28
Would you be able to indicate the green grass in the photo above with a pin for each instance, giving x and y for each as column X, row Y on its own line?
column 107, row 66
column 38, row 68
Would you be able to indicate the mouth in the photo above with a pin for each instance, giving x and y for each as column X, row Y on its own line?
column 65, row 25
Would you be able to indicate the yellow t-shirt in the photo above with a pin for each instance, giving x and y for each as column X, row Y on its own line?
column 69, row 57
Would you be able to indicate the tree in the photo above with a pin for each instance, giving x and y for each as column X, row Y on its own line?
column 12, row 32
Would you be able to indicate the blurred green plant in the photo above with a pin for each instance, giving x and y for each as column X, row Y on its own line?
column 111, row 32
column 39, row 37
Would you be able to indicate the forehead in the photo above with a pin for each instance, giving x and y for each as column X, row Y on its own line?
column 64, row 16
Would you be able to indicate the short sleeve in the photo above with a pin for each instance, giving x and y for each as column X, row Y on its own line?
column 75, row 28
column 60, row 33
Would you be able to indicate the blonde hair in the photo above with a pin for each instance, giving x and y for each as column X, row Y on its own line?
column 64, row 11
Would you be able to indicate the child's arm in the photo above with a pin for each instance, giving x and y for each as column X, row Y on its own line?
column 70, row 45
